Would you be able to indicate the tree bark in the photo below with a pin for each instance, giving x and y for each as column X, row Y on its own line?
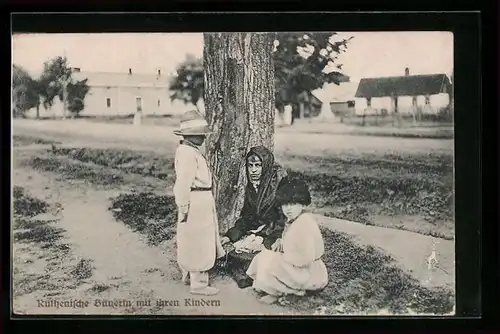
column 239, row 107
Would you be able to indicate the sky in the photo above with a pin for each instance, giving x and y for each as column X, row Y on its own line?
column 369, row 54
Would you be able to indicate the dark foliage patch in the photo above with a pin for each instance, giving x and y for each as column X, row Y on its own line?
column 75, row 171
column 40, row 232
column 83, row 270
column 26, row 205
column 26, row 224
column 98, row 288
column 149, row 214
column 46, row 240
column 363, row 279
column 439, row 134
column 145, row 164
column 32, row 231
column 31, row 283
column 397, row 185
column 21, row 140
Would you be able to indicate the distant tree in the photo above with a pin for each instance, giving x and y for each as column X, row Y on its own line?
column 57, row 81
column 76, row 96
column 303, row 62
column 187, row 84
column 24, row 92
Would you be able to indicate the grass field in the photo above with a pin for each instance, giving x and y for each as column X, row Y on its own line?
column 410, row 192
column 407, row 187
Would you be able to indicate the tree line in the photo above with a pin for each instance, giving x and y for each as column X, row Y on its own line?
column 56, row 81
column 302, row 61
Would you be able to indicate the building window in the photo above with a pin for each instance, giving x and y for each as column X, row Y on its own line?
column 368, row 101
column 108, row 102
column 138, row 101
column 159, row 103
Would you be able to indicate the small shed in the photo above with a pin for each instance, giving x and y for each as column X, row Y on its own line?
column 308, row 105
column 338, row 100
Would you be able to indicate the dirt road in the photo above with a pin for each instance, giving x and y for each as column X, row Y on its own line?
column 285, row 141
column 126, row 269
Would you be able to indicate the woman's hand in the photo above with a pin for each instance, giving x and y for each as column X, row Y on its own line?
column 227, row 245
column 276, row 247
column 182, row 215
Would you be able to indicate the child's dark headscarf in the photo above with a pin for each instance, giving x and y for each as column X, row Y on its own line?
column 265, row 197
column 293, row 191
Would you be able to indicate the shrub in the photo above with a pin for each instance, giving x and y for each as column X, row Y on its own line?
column 26, row 205
column 149, row 214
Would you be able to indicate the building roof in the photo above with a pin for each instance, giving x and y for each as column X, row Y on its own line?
column 115, row 79
column 343, row 92
column 411, row 85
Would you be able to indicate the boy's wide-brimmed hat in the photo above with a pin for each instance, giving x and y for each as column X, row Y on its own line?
column 293, row 191
column 194, row 124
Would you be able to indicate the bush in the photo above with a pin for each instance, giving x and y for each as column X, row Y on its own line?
column 18, row 140
column 26, row 205
column 151, row 215
column 145, row 164
column 75, row 171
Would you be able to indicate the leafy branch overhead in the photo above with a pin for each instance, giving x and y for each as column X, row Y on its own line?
column 303, row 61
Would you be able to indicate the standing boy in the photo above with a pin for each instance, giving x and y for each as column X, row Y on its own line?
column 198, row 241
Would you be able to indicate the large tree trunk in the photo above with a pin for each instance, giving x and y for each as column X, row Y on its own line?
column 239, row 106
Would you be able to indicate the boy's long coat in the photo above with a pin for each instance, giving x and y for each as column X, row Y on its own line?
column 198, row 241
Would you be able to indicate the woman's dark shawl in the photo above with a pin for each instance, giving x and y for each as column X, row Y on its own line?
column 260, row 207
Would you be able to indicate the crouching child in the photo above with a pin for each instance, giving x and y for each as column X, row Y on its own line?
column 294, row 264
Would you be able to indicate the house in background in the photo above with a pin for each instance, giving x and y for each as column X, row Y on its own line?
column 337, row 100
column 309, row 105
column 408, row 94
column 124, row 94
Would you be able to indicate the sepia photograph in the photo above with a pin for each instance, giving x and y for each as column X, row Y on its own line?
column 233, row 173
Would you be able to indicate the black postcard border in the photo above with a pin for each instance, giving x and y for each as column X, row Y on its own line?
column 469, row 127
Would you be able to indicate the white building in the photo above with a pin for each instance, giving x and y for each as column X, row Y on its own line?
column 408, row 94
column 123, row 94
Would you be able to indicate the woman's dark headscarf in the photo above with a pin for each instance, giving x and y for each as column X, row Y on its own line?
column 264, row 198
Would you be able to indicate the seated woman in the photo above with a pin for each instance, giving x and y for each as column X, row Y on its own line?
column 294, row 264
column 260, row 215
